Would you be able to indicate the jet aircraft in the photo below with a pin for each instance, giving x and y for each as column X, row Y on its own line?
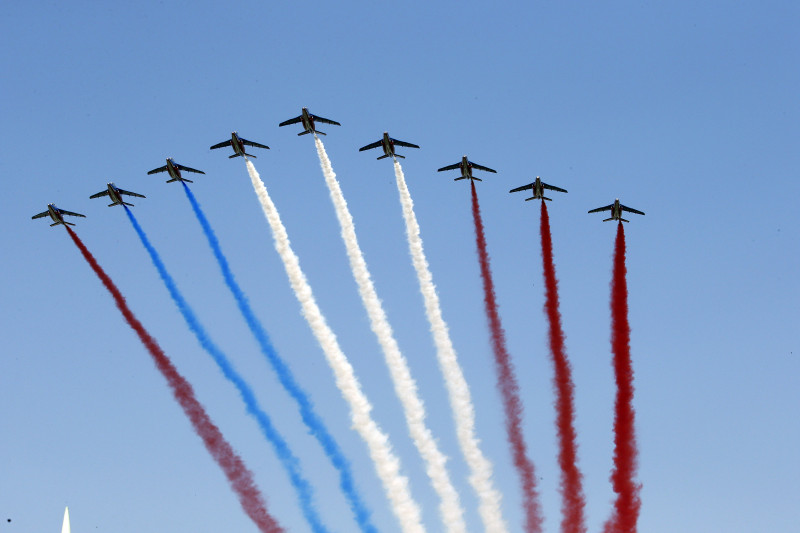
column 466, row 167
column 238, row 145
column 616, row 211
column 308, row 121
column 388, row 144
column 537, row 189
column 57, row 215
column 115, row 193
column 174, row 170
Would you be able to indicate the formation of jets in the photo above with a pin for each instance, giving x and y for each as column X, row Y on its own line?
column 466, row 167
column 308, row 121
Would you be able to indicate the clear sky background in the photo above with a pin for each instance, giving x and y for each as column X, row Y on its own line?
column 688, row 111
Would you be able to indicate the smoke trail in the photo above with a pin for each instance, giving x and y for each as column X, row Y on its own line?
column 309, row 416
column 386, row 463
column 404, row 385
column 573, row 500
column 506, row 381
column 239, row 477
column 626, row 507
column 288, row 460
column 460, row 400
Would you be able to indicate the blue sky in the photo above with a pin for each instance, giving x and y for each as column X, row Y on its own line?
column 688, row 112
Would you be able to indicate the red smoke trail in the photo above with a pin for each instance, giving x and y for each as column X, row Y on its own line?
column 506, row 382
column 239, row 476
column 626, row 507
column 573, row 501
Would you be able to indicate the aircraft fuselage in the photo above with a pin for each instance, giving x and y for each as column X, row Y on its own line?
column 308, row 122
column 466, row 168
column 173, row 171
column 538, row 190
column 116, row 198
column 387, row 145
column 616, row 211
column 55, row 214
column 238, row 145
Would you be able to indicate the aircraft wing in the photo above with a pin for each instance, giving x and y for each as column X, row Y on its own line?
column 631, row 210
column 376, row 144
column 65, row 212
column 187, row 169
column 129, row 193
column 481, row 167
column 159, row 169
column 223, row 144
column 403, row 143
column 40, row 215
column 450, row 167
column 553, row 188
column 251, row 143
column 101, row 193
column 606, row 208
column 291, row 121
column 325, row 120
column 528, row 186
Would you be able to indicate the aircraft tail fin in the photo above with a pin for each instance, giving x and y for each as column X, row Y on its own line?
column 128, row 204
column 612, row 218
column 234, row 155
column 400, row 156
column 624, row 220
column 461, row 178
column 546, row 198
column 383, row 157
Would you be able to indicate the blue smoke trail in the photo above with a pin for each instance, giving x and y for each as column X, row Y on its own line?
column 307, row 413
column 288, row 460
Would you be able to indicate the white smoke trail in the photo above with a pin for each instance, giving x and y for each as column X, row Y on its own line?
column 460, row 400
column 386, row 463
column 65, row 525
column 404, row 385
